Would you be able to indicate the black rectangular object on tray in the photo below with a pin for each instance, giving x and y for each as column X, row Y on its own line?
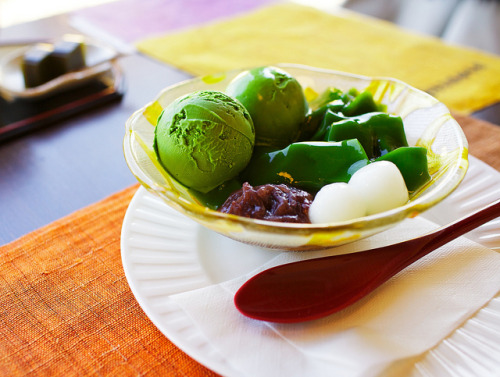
column 22, row 115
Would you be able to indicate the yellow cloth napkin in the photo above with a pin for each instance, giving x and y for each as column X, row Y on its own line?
column 465, row 80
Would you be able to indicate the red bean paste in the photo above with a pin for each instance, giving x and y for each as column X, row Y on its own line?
column 271, row 202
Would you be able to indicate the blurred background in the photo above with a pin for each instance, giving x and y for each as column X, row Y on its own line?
column 13, row 12
column 471, row 23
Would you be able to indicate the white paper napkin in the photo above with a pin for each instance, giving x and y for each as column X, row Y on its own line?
column 383, row 332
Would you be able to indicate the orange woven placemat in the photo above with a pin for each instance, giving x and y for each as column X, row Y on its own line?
column 65, row 305
column 66, row 308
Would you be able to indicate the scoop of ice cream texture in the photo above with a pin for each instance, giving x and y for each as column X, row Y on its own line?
column 204, row 139
column 275, row 101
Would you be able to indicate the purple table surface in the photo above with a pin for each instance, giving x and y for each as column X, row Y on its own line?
column 131, row 20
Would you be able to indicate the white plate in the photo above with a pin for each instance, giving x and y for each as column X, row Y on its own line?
column 98, row 60
column 164, row 253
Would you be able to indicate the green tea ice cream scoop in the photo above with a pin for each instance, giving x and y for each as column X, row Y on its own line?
column 204, row 139
column 275, row 101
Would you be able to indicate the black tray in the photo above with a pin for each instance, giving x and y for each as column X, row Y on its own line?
column 23, row 115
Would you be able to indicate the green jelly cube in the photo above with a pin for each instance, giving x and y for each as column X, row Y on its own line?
column 307, row 165
column 363, row 103
column 379, row 133
column 412, row 163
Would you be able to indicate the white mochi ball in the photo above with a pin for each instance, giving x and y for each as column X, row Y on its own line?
column 381, row 186
column 336, row 202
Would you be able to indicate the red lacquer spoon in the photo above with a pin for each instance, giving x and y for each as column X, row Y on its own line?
column 311, row 289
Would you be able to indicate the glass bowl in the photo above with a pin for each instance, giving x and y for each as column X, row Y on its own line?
column 427, row 123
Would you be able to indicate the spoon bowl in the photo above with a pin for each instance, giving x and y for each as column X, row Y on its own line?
column 311, row 289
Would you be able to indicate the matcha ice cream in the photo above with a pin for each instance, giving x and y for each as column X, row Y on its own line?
column 204, row 139
column 275, row 101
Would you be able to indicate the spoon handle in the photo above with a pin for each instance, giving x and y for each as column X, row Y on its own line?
column 314, row 288
column 458, row 228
